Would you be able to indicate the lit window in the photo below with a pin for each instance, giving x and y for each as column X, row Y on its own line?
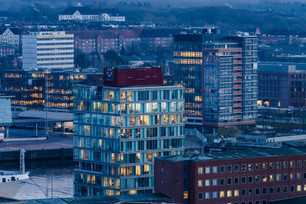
column 200, row 170
column 250, row 167
column 236, row 193
column 185, row 194
column 271, row 178
column 278, row 165
column 207, row 195
column 292, row 164
column 207, row 170
column 292, row 176
column 264, row 166
column 298, row 188
column 264, row 178
column 200, row 183
column 207, row 182
column 222, row 194
column 257, row 166
column 278, row 177
column 215, row 169
column 215, row 194
column 229, row 193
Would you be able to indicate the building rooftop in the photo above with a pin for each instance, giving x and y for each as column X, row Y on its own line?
column 104, row 199
column 237, row 154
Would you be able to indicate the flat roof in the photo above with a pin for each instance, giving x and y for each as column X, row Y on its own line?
column 104, row 199
column 237, row 154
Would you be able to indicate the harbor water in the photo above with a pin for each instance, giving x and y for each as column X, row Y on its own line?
column 47, row 179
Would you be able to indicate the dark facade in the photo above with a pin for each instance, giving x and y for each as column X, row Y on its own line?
column 29, row 90
column 126, row 76
column 252, row 177
column 188, row 71
column 281, row 85
column 220, row 77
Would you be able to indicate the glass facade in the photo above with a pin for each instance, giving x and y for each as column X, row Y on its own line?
column 119, row 131
column 188, row 71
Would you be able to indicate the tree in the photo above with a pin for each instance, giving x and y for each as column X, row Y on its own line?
column 228, row 132
column 112, row 58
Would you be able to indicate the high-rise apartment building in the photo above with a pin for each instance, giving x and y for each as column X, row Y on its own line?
column 222, row 89
column 121, row 127
column 51, row 50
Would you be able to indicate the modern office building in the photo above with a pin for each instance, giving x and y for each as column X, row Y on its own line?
column 29, row 87
column 220, row 76
column 237, row 177
column 121, row 127
column 281, row 84
column 49, row 50
column 188, row 71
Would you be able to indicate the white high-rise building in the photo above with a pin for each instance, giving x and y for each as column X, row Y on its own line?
column 51, row 50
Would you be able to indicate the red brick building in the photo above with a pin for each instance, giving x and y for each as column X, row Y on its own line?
column 237, row 177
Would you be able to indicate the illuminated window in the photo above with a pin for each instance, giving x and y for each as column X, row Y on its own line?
column 292, row 176
column 264, row 166
column 200, row 170
column 250, row 167
column 200, row 183
column 264, row 179
column 278, row 177
column 271, row 165
column 278, row 165
column 215, row 194
column 185, row 194
column 271, row 178
column 298, row 188
column 236, row 193
column 292, row 164
column 257, row 166
column 298, row 176
column 285, row 164
column 207, row 170
column 133, row 192
column 222, row 194
column 229, row 193
column 207, row 195
column 207, row 182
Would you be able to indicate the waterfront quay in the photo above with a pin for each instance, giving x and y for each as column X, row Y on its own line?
column 55, row 146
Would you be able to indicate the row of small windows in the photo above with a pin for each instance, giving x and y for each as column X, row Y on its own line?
column 250, row 192
column 250, row 179
column 251, row 167
column 55, row 59
column 143, row 95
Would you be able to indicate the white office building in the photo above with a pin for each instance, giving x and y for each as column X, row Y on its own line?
column 50, row 50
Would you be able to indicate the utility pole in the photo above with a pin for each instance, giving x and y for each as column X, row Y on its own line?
column 46, row 102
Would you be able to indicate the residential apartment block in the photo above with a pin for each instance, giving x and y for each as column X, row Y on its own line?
column 10, row 37
column 121, row 127
column 49, row 50
column 237, row 177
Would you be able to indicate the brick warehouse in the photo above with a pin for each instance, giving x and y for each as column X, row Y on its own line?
column 236, row 177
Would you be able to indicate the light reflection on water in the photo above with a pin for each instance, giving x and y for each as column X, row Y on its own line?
column 40, row 185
